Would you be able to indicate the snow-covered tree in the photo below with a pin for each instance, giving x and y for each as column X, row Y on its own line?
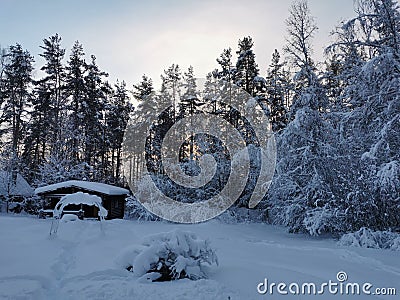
column 369, row 122
column 16, row 99
column 47, row 116
column 277, row 93
column 53, row 82
column 226, row 64
column 301, row 28
column 246, row 67
column 305, row 169
column 92, row 111
column 75, row 89
column 142, row 118
column 118, row 110
column 170, row 89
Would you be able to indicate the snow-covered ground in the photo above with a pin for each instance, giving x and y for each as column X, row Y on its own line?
column 80, row 263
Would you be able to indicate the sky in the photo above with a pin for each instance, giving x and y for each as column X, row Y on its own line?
column 131, row 38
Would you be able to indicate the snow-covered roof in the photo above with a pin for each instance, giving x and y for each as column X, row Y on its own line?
column 86, row 185
column 21, row 187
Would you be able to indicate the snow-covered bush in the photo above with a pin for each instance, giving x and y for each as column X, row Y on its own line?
column 14, row 207
column 325, row 220
column 169, row 256
column 135, row 210
column 366, row 238
column 32, row 205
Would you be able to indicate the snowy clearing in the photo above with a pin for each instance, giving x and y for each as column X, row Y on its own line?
column 81, row 262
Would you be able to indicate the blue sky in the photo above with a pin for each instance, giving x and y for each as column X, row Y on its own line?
column 130, row 38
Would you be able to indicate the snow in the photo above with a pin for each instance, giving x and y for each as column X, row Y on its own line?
column 77, row 199
column 259, row 79
column 81, row 263
column 389, row 175
column 69, row 217
column 86, row 185
column 21, row 188
column 371, row 239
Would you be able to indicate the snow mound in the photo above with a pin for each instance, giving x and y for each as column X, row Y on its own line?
column 169, row 256
column 366, row 238
column 69, row 217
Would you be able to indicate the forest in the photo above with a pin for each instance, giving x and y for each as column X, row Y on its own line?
column 336, row 122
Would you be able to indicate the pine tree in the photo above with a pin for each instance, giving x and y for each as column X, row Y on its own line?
column 225, row 74
column 75, row 89
column 145, row 96
column 170, row 89
column 143, row 89
column 277, row 93
column 246, row 67
column 48, row 111
column 2, row 67
column 92, row 111
column 117, row 117
column 190, row 102
column 53, row 54
column 16, row 96
column 189, row 105
column 39, row 128
column 226, row 64
column 333, row 83
column 142, row 118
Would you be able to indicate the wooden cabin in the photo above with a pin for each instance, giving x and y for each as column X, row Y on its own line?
column 113, row 198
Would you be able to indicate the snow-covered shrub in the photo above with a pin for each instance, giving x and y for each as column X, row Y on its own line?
column 169, row 256
column 135, row 210
column 32, row 205
column 293, row 217
column 366, row 238
column 14, row 207
column 323, row 220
